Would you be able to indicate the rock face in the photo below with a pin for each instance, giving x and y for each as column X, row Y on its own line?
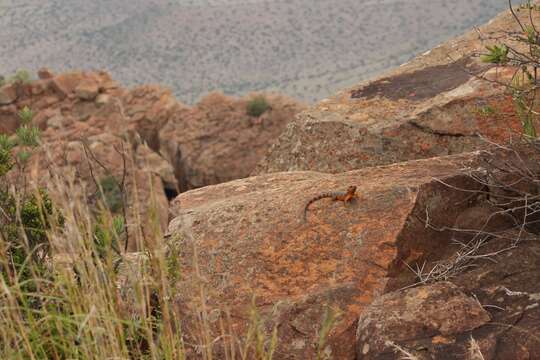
column 217, row 141
column 495, row 306
column 89, row 121
column 429, row 107
column 247, row 237
column 425, row 312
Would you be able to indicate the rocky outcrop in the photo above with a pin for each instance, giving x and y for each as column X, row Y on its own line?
column 490, row 311
column 212, row 142
column 89, row 121
column 217, row 141
column 247, row 238
column 434, row 105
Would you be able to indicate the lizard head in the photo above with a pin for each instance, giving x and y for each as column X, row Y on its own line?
column 351, row 189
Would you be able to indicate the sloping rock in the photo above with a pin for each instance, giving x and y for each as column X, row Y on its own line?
column 217, row 141
column 247, row 237
column 434, row 105
column 87, row 91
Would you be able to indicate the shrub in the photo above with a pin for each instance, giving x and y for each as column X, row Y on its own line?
column 257, row 106
column 112, row 193
column 525, row 82
column 25, row 218
column 22, row 76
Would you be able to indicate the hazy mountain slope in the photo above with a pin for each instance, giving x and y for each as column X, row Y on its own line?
column 304, row 48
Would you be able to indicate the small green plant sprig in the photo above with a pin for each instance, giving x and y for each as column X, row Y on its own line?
column 112, row 193
column 496, row 55
column 257, row 106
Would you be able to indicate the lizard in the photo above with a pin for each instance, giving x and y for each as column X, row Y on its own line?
column 334, row 195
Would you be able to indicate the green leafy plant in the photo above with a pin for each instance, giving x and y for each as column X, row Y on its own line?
column 107, row 233
column 112, row 193
column 6, row 159
column 257, row 106
column 496, row 55
column 487, row 110
column 526, row 60
column 22, row 76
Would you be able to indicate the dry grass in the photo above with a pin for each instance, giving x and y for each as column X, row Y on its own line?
column 96, row 303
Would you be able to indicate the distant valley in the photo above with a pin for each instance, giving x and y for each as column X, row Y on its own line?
column 307, row 49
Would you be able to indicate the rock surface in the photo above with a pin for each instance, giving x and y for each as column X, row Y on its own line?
column 434, row 105
column 217, row 141
column 212, row 142
column 435, row 311
column 495, row 305
column 247, row 237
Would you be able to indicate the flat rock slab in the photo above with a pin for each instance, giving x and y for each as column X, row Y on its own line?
column 432, row 106
column 248, row 238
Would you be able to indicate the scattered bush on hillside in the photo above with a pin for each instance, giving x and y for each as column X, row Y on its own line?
column 20, row 75
column 525, row 82
column 257, row 106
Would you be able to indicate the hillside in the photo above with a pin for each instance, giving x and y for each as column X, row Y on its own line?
column 304, row 48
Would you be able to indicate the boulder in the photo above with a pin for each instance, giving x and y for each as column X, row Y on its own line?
column 487, row 312
column 87, row 91
column 9, row 94
column 45, row 73
column 217, row 141
column 247, row 238
column 435, row 105
column 438, row 312
column 64, row 84
column 148, row 109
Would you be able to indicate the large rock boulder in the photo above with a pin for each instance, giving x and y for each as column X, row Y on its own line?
column 248, row 238
column 488, row 312
column 435, row 105
column 217, row 141
column 431, row 311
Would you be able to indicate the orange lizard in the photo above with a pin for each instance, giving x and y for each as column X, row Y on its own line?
column 334, row 195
